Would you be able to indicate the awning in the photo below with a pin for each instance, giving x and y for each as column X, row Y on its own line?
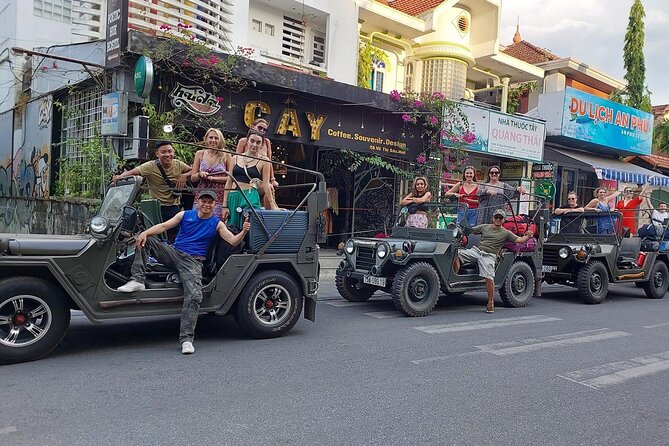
column 613, row 169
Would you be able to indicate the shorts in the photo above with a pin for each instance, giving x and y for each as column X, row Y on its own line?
column 416, row 221
column 485, row 260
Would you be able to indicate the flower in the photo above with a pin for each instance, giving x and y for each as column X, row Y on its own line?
column 220, row 99
column 406, row 118
column 418, row 104
column 434, row 120
column 43, row 68
column 420, row 159
column 469, row 137
column 438, row 95
column 395, row 95
column 165, row 27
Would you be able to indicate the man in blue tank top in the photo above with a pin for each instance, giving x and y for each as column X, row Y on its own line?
column 197, row 229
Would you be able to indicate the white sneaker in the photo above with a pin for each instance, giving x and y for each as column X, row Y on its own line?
column 131, row 286
column 187, row 348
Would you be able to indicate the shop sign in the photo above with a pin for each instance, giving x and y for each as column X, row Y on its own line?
column 194, row 99
column 116, row 37
column 578, row 115
column 143, row 76
column 543, row 171
column 114, row 114
column 500, row 134
column 512, row 169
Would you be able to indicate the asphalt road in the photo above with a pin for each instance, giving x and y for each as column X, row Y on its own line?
column 555, row 373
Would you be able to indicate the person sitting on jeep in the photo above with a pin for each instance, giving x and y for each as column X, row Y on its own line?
column 569, row 226
column 493, row 237
column 197, row 229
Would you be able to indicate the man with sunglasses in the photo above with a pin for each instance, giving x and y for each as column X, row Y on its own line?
column 493, row 237
column 262, row 125
column 570, row 225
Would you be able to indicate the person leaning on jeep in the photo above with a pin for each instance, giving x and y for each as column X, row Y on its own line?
column 493, row 237
column 177, row 173
column 569, row 226
column 197, row 229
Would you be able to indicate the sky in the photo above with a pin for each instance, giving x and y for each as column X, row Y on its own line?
column 593, row 32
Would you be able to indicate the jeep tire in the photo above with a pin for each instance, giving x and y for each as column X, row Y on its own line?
column 350, row 289
column 518, row 287
column 415, row 289
column 592, row 282
column 269, row 305
column 658, row 281
column 34, row 318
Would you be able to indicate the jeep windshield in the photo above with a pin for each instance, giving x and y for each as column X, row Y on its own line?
column 428, row 215
column 590, row 223
column 115, row 199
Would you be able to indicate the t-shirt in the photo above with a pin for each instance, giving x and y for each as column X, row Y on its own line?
column 659, row 217
column 493, row 238
column 158, row 189
column 196, row 234
column 568, row 225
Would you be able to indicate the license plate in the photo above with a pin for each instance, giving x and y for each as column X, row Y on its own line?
column 548, row 268
column 372, row 280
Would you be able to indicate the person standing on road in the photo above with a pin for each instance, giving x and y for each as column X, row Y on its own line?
column 494, row 194
column 419, row 194
column 493, row 237
column 161, row 187
column 197, row 229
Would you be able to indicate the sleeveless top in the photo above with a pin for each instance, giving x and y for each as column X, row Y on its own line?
column 605, row 225
column 196, row 234
column 473, row 196
column 240, row 175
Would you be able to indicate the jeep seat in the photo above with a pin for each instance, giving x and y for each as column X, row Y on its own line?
column 629, row 248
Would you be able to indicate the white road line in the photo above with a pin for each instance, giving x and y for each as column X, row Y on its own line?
column 483, row 324
column 613, row 373
column 384, row 314
column 446, row 357
column 664, row 324
column 344, row 303
column 533, row 344
column 7, row 430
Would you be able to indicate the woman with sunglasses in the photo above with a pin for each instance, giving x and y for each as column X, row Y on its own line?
column 261, row 125
column 209, row 169
column 466, row 191
column 628, row 205
column 601, row 204
column 494, row 195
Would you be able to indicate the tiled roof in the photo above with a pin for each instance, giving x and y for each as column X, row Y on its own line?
column 660, row 110
column 529, row 53
column 414, row 7
column 654, row 160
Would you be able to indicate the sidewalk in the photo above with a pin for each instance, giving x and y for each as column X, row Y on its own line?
column 329, row 261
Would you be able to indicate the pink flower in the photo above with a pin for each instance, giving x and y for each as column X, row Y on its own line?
column 469, row 137
column 395, row 95
column 406, row 117
column 418, row 104
column 43, row 68
column 434, row 120
column 420, row 159
column 165, row 27
column 220, row 99
column 438, row 95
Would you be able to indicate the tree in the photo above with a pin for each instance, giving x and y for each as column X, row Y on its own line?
column 661, row 137
column 636, row 93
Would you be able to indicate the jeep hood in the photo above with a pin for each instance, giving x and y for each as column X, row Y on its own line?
column 42, row 245
column 396, row 243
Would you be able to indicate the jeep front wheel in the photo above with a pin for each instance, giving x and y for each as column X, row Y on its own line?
column 269, row 305
column 518, row 288
column 593, row 283
column 350, row 289
column 415, row 289
column 33, row 319
column 658, row 281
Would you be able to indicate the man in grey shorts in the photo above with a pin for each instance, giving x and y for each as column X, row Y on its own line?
column 493, row 237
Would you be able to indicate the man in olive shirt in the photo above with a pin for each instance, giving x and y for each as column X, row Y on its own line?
column 493, row 237
column 177, row 172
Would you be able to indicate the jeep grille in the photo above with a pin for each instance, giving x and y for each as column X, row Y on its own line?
column 550, row 255
column 366, row 258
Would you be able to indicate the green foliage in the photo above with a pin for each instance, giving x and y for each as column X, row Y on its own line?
column 661, row 137
column 367, row 55
column 517, row 92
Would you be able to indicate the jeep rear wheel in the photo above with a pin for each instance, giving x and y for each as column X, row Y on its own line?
column 33, row 319
column 350, row 289
column 518, row 288
column 593, row 283
column 269, row 305
column 415, row 289
column 658, row 281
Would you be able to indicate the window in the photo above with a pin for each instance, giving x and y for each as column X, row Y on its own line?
column 58, row 10
column 269, row 29
column 292, row 38
column 256, row 25
column 408, row 77
column 318, row 49
column 448, row 76
column 378, row 73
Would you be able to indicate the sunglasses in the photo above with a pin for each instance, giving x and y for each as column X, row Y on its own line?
column 261, row 129
column 572, row 198
column 498, row 217
column 494, row 172
column 628, row 191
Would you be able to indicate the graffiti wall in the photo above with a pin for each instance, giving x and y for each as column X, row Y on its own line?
column 25, row 172
column 45, row 216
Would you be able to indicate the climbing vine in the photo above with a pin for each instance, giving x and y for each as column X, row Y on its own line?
column 517, row 92
column 368, row 55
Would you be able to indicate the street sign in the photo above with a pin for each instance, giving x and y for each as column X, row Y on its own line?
column 143, row 77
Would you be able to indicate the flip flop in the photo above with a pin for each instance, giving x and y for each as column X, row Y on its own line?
column 490, row 310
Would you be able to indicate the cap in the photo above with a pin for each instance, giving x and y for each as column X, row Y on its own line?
column 499, row 212
column 208, row 193
column 158, row 144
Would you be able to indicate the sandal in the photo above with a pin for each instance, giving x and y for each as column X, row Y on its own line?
column 490, row 310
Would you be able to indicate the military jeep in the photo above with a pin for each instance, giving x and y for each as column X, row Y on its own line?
column 265, row 285
column 415, row 265
column 588, row 250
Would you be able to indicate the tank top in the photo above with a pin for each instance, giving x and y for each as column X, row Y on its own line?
column 196, row 234
column 240, row 175
column 473, row 196
column 605, row 225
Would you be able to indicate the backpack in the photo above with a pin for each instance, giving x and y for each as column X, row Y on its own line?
column 529, row 246
column 518, row 224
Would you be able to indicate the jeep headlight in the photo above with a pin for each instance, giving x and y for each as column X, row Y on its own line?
column 457, row 232
column 564, row 252
column 99, row 225
column 382, row 250
column 349, row 247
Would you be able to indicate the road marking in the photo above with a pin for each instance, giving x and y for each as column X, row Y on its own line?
column 613, row 373
column 445, row 357
column 657, row 325
column 384, row 314
column 7, row 430
column 345, row 303
column 483, row 324
column 533, row 344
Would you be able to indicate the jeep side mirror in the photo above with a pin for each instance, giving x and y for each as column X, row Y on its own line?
column 129, row 218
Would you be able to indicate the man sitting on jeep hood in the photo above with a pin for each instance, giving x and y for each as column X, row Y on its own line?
column 493, row 237
column 197, row 229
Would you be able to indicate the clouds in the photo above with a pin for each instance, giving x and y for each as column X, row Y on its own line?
column 593, row 32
